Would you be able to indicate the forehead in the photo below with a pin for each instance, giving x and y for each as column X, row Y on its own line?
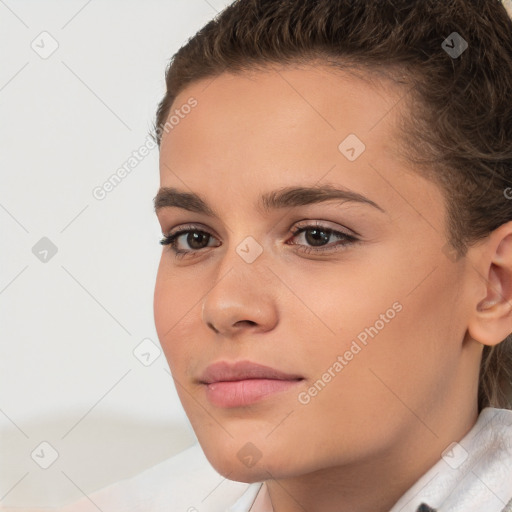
column 269, row 128
column 277, row 98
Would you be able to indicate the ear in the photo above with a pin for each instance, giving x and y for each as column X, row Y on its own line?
column 491, row 320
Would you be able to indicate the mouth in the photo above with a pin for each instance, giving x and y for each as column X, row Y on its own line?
column 243, row 383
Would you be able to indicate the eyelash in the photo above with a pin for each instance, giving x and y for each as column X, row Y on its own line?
column 171, row 239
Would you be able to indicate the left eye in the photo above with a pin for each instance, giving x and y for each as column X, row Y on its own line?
column 318, row 236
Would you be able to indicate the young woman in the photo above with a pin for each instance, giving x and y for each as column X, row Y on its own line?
column 334, row 296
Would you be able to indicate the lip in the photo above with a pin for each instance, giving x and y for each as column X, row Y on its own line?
column 223, row 371
column 243, row 382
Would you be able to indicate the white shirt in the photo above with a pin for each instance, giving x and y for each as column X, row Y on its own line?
column 475, row 476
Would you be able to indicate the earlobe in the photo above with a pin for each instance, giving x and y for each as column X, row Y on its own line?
column 491, row 321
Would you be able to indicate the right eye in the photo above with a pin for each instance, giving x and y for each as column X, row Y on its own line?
column 195, row 238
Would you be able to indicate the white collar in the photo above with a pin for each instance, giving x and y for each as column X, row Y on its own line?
column 472, row 475
column 245, row 502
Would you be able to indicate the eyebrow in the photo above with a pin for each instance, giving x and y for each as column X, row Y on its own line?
column 287, row 197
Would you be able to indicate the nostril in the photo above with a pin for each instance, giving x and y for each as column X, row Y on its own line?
column 249, row 322
column 209, row 324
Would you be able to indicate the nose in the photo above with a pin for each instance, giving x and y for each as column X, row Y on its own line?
column 241, row 299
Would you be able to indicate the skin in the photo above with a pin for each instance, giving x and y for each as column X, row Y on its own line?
column 386, row 418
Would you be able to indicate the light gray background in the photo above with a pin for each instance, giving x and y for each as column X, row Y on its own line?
column 70, row 324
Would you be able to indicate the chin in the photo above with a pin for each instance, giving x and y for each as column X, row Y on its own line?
column 244, row 462
column 232, row 466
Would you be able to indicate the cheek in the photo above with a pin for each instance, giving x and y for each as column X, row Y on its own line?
column 412, row 360
column 162, row 304
column 173, row 308
column 395, row 331
column 338, row 304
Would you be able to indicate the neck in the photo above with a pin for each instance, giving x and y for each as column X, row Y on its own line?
column 375, row 484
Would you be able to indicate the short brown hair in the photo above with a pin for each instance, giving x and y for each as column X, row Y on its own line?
column 460, row 135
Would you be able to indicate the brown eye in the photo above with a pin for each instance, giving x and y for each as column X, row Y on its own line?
column 189, row 240
column 319, row 236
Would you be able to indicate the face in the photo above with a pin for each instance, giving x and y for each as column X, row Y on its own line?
column 350, row 303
